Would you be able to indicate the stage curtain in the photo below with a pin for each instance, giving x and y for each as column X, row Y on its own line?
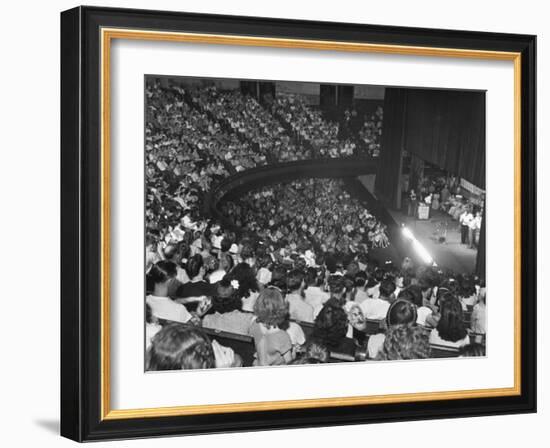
column 443, row 127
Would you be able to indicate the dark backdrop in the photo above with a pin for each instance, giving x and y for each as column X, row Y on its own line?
column 443, row 127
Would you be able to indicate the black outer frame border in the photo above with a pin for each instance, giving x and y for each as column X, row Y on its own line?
column 80, row 224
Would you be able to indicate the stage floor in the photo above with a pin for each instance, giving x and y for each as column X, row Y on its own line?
column 451, row 254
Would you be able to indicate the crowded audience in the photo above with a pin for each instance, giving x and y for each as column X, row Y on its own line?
column 291, row 280
column 308, row 212
column 310, row 310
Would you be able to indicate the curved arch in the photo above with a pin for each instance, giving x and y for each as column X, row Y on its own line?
column 244, row 181
column 344, row 167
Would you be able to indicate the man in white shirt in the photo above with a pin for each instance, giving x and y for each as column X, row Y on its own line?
column 165, row 308
column 376, row 309
column 465, row 220
column 314, row 294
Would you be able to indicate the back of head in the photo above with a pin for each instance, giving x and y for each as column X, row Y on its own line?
column 194, row 265
column 405, row 342
column 226, row 299
column 311, row 277
column 360, row 279
column 171, row 252
column 294, row 280
column 331, row 325
column 177, row 347
column 278, row 277
column 336, row 284
column 246, row 279
column 162, row 271
column 451, row 325
column 379, row 274
column 225, row 244
column 271, row 309
column 413, row 294
column 401, row 312
column 387, row 288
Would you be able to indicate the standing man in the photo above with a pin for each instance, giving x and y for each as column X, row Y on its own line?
column 412, row 203
column 465, row 221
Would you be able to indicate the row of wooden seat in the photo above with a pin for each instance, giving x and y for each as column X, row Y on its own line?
column 245, row 347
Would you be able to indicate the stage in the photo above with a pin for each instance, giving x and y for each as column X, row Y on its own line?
column 450, row 254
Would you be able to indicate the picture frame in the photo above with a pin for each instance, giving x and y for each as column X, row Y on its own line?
column 86, row 37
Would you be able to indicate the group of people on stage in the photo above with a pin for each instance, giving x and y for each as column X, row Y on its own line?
column 443, row 193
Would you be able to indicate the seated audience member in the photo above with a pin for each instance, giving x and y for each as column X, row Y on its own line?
column 273, row 343
column 427, row 289
column 178, row 347
column 413, row 294
column 264, row 272
column 337, row 289
column 152, row 327
column 173, row 253
column 278, row 278
column 471, row 350
column 401, row 312
column 196, row 286
column 479, row 319
column 244, row 280
column 298, row 308
column 151, row 254
column 373, row 285
column 349, row 285
column 216, row 271
column 315, row 296
column 402, row 281
column 405, row 342
column 450, row 330
column 331, row 326
column 376, row 309
column 162, row 306
column 226, row 313
column 360, row 283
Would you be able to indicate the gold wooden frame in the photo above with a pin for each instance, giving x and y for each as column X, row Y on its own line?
column 107, row 35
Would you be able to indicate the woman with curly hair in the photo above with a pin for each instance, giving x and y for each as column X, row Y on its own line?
column 400, row 312
column 451, row 330
column 331, row 326
column 405, row 342
column 273, row 343
column 177, row 347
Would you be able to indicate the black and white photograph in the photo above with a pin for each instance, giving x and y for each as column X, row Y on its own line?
column 292, row 223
